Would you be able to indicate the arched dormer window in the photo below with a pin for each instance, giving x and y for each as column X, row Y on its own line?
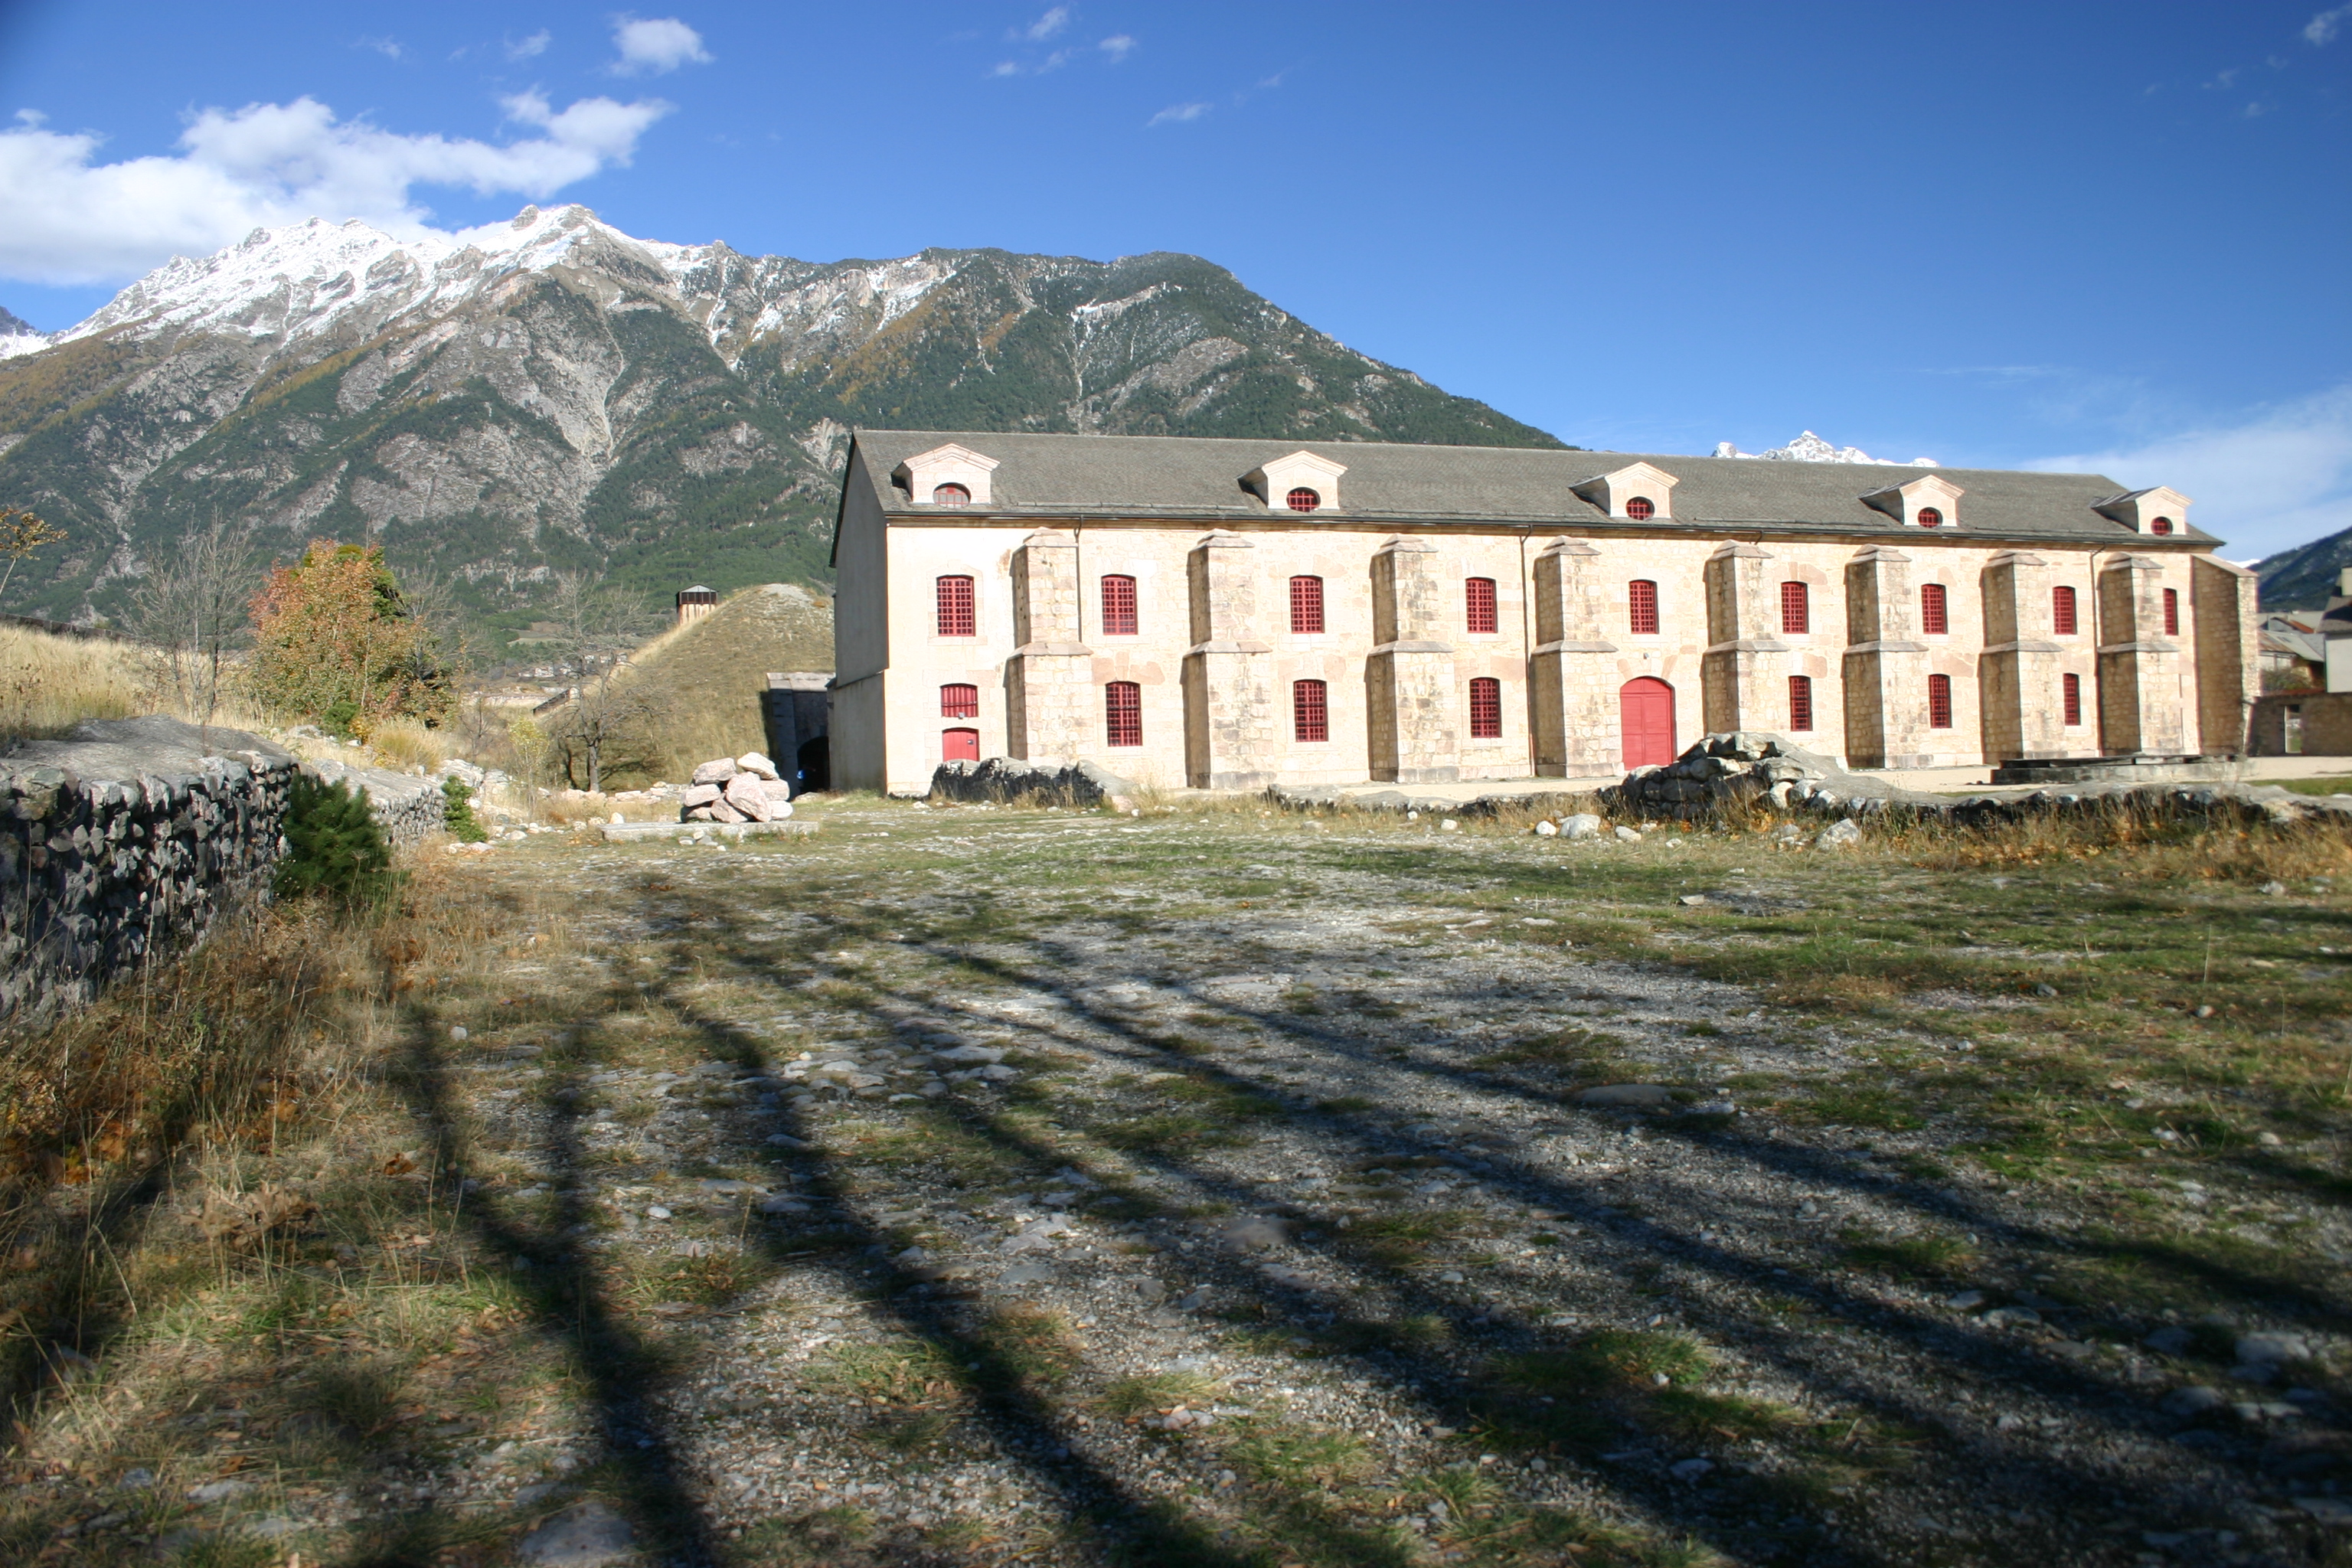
column 1303, row 499
column 1641, row 509
column 2161, row 525
column 1929, row 517
column 951, row 495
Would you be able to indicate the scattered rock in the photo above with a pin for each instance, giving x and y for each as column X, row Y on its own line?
column 1690, row 1470
column 1252, row 1233
column 2192, row 1400
column 218, row 1492
column 1840, row 835
column 587, row 1535
column 1583, row 825
column 2170, row 1342
column 1966, row 1301
column 1643, row 1095
column 1627, row 836
column 2258, row 1350
column 716, row 772
column 758, row 766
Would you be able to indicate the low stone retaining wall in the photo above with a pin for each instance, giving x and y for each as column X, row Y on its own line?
column 126, row 843
column 1006, row 779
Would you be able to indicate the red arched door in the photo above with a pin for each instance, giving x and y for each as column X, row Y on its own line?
column 959, row 746
column 1645, row 707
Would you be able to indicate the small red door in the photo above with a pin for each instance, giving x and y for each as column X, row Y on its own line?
column 959, row 746
column 1645, row 707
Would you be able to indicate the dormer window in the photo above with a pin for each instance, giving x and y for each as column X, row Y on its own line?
column 2161, row 511
column 1637, row 493
column 1932, row 502
column 1299, row 482
column 946, row 476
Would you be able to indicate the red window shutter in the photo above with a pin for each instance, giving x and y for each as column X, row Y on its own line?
column 2061, row 610
column 1796, row 608
column 2172, row 612
column 1119, row 606
column 1480, row 594
column 1940, row 702
column 1123, row 713
column 959, row 701
column 2073, row 687
column 951, row 495
column 1935, row 619
column 2161, row 525
column 1643, row 599
column 1800, row 703
column 1307, row 605
column 1640, row 509
column 1485, row 708
column 956, row 607
column 1302, row 499
column 1310, row 714
column 1930, row 518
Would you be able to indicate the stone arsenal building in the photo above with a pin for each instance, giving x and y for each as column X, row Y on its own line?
column 1227, row 615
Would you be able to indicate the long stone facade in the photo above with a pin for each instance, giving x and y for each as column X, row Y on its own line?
column 1128, row 609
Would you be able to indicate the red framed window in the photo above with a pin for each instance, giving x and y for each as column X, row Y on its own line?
column 1940, row 702
column 956, row 616
column 1930, row 518
column 2061, row 610
column 2172, row 612
column 2071, row 688
column 959, row 701
column 1123, row 713
column 1479, row 595
column 1119, row 606
column 1935, row 610
column 1302, row 499
column 1796, row 608
column 1310, row 710
column 951, row 495
column 1800, row 703
column 1307, row 605
column 1485, row 708
column 1641, row 509
column 1642, row 604
column 2161, row 525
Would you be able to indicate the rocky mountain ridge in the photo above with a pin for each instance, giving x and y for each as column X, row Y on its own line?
column 551, row 394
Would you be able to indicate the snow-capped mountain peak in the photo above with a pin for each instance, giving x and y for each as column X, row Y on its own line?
column 1808, row 448
column 18, row 336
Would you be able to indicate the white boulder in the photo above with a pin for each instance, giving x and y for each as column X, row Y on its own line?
column 716, row 772
column 700, row 794
column 754, row 763
column 748, row 795
column 1583, row 825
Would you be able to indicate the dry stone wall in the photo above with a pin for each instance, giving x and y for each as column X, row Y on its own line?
column 125, row 841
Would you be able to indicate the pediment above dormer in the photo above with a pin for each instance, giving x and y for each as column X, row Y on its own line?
column 1639, row 492
column 1302, row 482
column 2161, row 511
column 930, row 479
column 1932, row 502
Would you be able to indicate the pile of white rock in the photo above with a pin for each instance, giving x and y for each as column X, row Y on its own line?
column 735, row 789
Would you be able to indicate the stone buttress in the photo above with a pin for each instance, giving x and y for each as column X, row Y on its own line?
column 1743, row 677
column 2228, row 676
column 2019, row 674
column 1578, row 721
column 2140, row 708
column 1409, row 678
column 1049, row 687
column 1885, row 673
column 1229, row 738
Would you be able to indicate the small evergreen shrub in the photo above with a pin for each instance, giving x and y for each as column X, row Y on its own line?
column 333, row 845
column 457, row 813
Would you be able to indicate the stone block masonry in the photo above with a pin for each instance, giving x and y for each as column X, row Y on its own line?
column 126, row 841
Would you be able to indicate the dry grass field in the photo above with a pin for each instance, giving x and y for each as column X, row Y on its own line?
column 1213, row 1187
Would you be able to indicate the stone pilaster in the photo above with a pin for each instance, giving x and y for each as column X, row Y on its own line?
column 1409, row 673
column 1577, row 721
column 1229, row 717
column 2017, row 675
column 1051, row 707
column 2140, row 708
column 2228, row 673
column 1743, row 677
column 1885, row 670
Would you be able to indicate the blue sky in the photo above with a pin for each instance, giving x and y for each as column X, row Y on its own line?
column 2085, row 234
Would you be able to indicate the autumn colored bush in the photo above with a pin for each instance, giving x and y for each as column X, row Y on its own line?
column 334, row 640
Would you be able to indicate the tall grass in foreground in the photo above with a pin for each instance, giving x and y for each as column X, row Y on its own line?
column 51, row 683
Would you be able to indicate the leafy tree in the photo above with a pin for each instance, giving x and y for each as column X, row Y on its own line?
column 457, row 813
column 21, row 534
column 334, row 846
column 334, row 637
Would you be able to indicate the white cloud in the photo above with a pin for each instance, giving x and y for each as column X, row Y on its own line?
column 388, row 47
column 1176, row 114
column 1118, row 48
column 657, row 46
column 1005, row 67
column 1046, row 26
column 531, row 47
column 2281, row 479
column 2322, row 29
column 65, row 218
